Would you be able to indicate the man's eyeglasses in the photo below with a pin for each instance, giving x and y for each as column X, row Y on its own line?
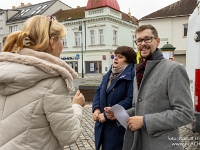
column 51, row 18
column 147, row 39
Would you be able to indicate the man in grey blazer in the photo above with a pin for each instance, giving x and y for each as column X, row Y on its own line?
column 161, row 99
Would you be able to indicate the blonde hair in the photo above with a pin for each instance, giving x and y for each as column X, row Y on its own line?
column 37, row 30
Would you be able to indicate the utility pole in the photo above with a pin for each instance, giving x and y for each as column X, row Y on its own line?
column 80, row 29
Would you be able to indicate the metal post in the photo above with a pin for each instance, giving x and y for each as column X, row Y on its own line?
column 85, row 34
column 82, row 53
column 80, row 29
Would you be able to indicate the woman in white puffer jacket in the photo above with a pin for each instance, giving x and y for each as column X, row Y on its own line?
column 36, row 112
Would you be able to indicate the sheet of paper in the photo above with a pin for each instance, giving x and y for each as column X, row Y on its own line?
column 120, row 114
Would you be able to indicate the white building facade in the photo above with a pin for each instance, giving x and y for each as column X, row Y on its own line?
column 91, row 50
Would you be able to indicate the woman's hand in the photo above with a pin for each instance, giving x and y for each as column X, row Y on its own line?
column 102, row 118
column 109, row 114
column 79, row 99
column 96, row 113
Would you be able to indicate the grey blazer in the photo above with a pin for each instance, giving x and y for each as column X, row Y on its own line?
column 165, row 100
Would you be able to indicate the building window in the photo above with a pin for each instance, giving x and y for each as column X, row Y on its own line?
column 64, row 42
column 1, row 16
column 92, row 37
column 101, row 36
column 77, row 38
column 44, row 6
column 24, row 11
column 114, row 37
column 1, row 31
column 185, row 29
column 13, row 29
column 93, row 66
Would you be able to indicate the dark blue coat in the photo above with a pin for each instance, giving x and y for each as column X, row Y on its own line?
column 110, row 134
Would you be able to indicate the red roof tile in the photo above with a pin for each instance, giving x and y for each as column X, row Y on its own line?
column 76, row 13
column 92, row 4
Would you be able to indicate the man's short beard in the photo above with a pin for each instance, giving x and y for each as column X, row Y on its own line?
column 146, row 57
column 145, row 47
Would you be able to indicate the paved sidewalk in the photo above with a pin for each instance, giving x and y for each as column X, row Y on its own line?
column 86, row 139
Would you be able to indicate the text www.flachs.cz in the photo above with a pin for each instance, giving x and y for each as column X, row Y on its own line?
column 184, row 144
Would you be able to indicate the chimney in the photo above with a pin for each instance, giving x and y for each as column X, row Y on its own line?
column 129, row 14
column 13, row 7
column 22, row 4
column 78, row 6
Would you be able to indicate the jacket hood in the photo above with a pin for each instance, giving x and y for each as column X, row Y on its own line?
column 21, row 70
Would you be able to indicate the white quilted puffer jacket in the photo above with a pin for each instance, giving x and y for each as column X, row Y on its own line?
column 35, row 107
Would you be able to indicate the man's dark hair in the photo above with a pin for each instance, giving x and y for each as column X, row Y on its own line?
column 128, row 52
column 147, row 26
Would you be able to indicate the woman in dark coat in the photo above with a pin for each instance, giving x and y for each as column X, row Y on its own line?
column 116, row 88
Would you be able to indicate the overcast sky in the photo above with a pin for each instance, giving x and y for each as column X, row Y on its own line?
column 138, row 8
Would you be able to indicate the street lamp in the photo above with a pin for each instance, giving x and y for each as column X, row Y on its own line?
column 80, row 29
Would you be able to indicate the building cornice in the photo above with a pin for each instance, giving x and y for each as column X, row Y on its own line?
column 67, row 51
column 99, row 19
